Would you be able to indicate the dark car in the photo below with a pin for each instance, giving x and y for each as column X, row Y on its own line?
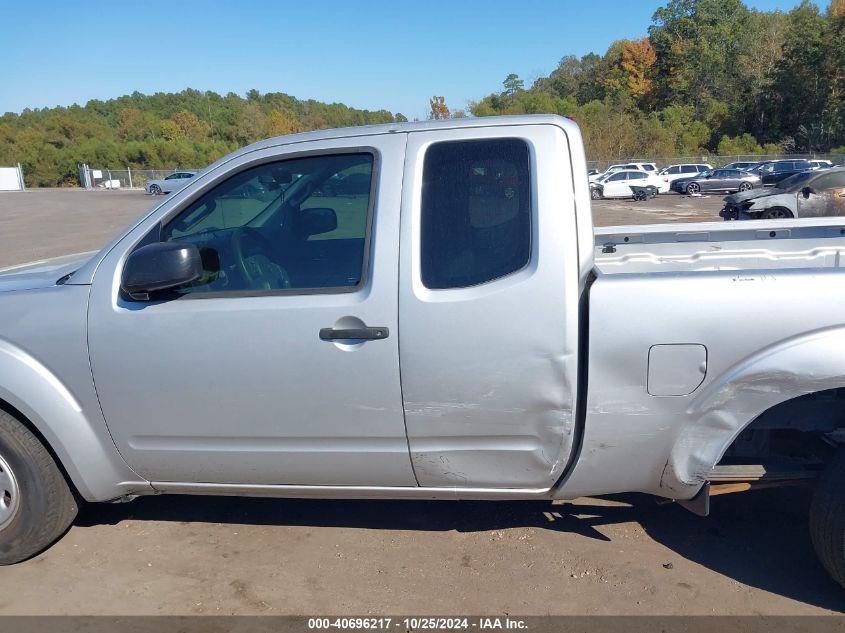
column 771, row 172
column 717, row 180
column 808, row 194
column 740, row 165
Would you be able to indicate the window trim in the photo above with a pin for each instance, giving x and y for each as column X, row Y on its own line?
column 154, row 235
column 533, row 214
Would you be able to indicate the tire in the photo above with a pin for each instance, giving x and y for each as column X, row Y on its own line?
column 745, row 186
column 595, row 193
column 827, row 518
column 776, row 213
column 693, row 187
column 155, row 190
column 36, row 503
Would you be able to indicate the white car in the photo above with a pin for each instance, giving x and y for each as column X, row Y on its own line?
column 618, row 184
column 685, row 170
column 644, row 167
column 820, row 164
column 173, row 182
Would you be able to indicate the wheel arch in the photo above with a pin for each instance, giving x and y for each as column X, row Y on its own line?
column 82, row 451
column 789, row 369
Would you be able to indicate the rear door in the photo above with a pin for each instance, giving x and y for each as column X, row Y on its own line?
column 824, row 195
column 488, row 306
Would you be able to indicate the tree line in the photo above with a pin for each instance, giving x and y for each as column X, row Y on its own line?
column 710, row 76
column 188, row 129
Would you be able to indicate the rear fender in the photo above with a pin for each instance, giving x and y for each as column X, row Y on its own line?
column 794, row 367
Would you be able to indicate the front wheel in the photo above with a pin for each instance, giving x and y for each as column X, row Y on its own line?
column 776, row 213
column 745, row 186
column 36, row 504
column 595, row 194
column 155, row 190
column 693, row 187
column 827, row 518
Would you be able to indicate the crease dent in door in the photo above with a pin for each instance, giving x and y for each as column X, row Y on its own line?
column 505, row 441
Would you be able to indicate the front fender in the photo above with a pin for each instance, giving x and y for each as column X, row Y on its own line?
column 790, row 368
column 75, row 431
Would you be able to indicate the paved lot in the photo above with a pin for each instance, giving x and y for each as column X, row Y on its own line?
column 626, row 555
column 43, row 223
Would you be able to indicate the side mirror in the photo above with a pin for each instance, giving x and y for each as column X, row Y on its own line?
column 160, row 266
column 316, row 221
column 806, row 191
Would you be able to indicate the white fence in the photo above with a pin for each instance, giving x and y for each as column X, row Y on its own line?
column 11, row 178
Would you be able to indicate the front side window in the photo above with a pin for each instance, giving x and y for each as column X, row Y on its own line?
column 299, row 224
column 475, row 212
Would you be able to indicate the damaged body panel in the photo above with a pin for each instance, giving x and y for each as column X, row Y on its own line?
column 490, row 370
column 670, row 444
column 804, row 195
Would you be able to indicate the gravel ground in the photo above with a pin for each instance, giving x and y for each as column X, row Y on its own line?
column 202, row 555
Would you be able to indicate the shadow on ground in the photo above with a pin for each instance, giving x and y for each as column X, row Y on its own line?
column 760, row 539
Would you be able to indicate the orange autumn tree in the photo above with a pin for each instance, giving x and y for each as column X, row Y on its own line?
column 638, row 57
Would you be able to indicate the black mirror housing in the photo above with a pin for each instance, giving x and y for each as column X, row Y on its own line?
column 807, row 191
column 160, row 266
column 316, row 221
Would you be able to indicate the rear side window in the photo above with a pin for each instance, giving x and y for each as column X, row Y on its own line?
column 689, row 169
column 475, row 212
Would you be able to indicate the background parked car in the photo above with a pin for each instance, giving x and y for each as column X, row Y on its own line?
column 645, row 167
column 171, row 183
column 820, row 164
column 717, row 180
column 771, row 172
column 741, row 165
column 687, row 170
column 618, row 184
column 808, row 194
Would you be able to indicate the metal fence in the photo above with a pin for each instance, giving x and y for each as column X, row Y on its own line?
column 106, row 178
column 716, row 161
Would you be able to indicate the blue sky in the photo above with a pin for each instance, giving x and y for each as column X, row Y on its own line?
column 365, row 53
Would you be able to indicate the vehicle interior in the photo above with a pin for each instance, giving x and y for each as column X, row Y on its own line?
column 279, row 226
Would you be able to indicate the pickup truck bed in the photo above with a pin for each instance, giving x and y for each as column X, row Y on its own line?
column 730, row 320
column 706, row 246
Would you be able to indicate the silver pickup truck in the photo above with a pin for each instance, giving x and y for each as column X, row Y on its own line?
column 421, row 311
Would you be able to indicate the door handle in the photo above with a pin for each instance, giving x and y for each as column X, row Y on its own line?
column 358, row 334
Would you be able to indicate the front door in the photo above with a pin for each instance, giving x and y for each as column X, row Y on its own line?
column 240, row 378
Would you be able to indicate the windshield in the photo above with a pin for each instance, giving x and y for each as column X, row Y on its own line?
column 796, row 182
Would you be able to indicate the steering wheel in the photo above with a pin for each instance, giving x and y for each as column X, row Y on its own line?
column 258, row 271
